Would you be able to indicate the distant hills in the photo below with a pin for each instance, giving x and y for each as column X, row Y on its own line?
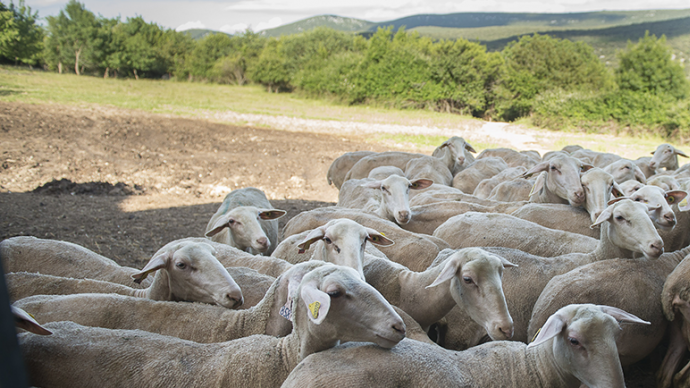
column 606, row 31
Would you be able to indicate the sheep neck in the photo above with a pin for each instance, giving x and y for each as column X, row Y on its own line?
column 606, row 249
column 547, row 370
column 302, row 342
column 425, row 305
column 159, row 288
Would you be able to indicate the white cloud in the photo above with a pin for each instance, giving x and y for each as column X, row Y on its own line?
column 241, row 27
column 190, row 25
column 273, row 23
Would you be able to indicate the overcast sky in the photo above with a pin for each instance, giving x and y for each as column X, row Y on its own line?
column 237, row 15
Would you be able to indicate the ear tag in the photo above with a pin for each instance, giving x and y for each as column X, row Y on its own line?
column 286, row 311
column 304, row 247
column 683, row 205
column 531, row 192
column 314, row 309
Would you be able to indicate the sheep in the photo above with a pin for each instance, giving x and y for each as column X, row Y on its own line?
column 413, row 250
column 363, row 166
column 676, row 307
column 643, row 164
column 340, row 241
column 474, row 282
column 576, row 348
column 343, row 164
column 572, row 148
column 23, row 284
column 383, row 172
column 191, row 321
column 468, row 179
column 666, row 182
column 456, row 152
column 526, row 159
column 387, row 198
column 473, row 229
column 62, row 258
column 596, row 159
column 626, row 230
column 517, row 189
column 440, row 193
column 559, row 181
column 665, row 156
column 485, row 187
column 625, row 170
column 330, row 305
column 629, row 187
column 247, row 221
column 635, row 285
column 429, row 167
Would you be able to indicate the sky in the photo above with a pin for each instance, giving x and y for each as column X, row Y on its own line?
column 237, row 15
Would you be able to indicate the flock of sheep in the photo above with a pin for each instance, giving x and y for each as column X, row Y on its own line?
column 510, row 269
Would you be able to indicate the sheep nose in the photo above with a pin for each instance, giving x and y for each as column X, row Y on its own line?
column 238, row 301
column 399, row 328
column 652, row 164
column 580, row 195
column 263, row 241
column 404, row 216
column 657, row 247
column 507, row 331
column 670, row 218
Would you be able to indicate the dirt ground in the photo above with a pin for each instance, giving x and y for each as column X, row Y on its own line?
column 124, row 183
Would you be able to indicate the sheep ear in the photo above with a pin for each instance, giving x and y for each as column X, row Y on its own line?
column 616, row 191
column 553, row 326
column 469, row 148
column 317, row 302
column 679, row 152
column 543, row 166
column 222, row 222
column 419, row 184
column 372, row 184
column 26, row 321
column 617, row 199
column 156, row 263
column 622, row 315
column 506, row 263
column 604, row 216
column 586, row 167
column 313, row 236
column 377, row 238
column 272, row 214
column 538, row 185
column 448, row 272
column 675, row 196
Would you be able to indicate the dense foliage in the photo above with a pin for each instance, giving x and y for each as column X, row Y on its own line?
column 554, row 82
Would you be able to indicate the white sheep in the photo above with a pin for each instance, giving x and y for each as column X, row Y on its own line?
column 626, row 231
column 383, row 172
column 630, row 186
column 526, row 159
column 516, row 189
column 468, row 277
column 468, row 179
column 429, row 167
column 190, row 321
column 330, row 305
column 665, row 156
column 666, row 182
column 485, row 187
column 576, row 348
column 342, row 164
column 363, row 166
column 634, row 285
column 559, row 181
column 456, row 153
column 625, row 170
column 247, row 221
column 413, row 250
column 387, row 198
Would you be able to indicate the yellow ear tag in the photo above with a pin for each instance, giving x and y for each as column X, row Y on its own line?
column 684, row 202
column 314, row 309
column 531, row 192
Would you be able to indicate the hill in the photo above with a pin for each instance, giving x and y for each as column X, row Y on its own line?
column 337, row 23
column 198, row 33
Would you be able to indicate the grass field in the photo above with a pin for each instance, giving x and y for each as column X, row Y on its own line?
column 199, row 100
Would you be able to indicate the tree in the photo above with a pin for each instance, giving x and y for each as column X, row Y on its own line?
column 648, row 66
column 21, row 39
column 271, row 69
column 74, row 33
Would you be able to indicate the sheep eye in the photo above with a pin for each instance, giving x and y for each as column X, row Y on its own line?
column 553, row 168
column 670, row 199
column 327, row 240
column 619, row 218
column 573, row 341
column 467, row 279
column 181, row 265
column 335, row 294
column 385, row 189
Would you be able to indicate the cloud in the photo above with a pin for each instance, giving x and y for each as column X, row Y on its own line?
column 273, row 23
column 190, row 25
column 241, row 27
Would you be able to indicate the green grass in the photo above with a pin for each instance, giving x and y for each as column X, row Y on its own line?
column 199, row 100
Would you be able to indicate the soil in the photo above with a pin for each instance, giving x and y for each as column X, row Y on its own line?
column 124, row 183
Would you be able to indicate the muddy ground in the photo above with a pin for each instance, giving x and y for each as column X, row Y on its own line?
column 124, row 183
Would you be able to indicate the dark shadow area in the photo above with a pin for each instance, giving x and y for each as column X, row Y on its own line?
column 98, row 223
column 66, row 186
column 5, row 92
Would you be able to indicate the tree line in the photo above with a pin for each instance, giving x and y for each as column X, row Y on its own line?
column 551, row 82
